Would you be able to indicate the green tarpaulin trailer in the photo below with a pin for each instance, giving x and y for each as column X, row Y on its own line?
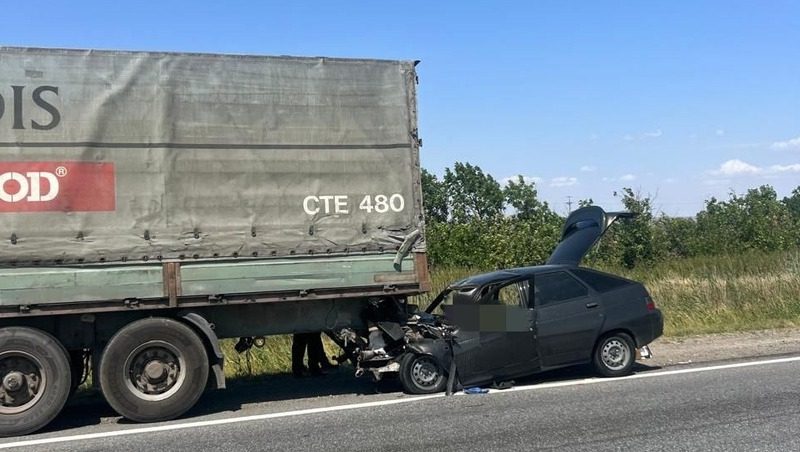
column 150, row 202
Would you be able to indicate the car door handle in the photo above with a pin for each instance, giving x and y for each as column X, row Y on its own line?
column 591, row 305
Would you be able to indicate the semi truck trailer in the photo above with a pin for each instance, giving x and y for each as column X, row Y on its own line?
column 152, row 204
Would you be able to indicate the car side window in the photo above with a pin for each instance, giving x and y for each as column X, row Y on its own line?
column 508, row 295
column 551, row 288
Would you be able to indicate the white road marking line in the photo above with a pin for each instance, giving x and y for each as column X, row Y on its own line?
column 259, row 417
column 234, row 420
column 587, row 381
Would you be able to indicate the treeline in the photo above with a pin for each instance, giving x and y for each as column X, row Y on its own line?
column 474, row 221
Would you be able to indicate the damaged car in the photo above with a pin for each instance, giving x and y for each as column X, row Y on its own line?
column 497, row 326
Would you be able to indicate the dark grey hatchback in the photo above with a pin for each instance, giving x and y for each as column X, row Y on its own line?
column 517, row 322
column 506, row 324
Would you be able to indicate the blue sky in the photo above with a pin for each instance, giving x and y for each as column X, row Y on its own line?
column 679, row 100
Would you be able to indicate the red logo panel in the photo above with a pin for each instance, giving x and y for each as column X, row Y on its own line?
column 57, row 187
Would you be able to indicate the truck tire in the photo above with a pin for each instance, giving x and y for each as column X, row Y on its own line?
column 421, row 374
column 34, row 379
column 153, row 369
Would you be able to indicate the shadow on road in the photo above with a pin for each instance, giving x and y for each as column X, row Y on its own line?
column 575, row 373
column 89, row 408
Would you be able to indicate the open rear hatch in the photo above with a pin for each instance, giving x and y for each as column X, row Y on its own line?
column 582, row 230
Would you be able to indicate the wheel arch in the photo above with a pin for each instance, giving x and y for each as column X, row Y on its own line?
column 205, row 330
column 613, row 331
column 440, row 350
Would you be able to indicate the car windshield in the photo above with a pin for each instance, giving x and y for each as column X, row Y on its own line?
column 510, row 293
column 449, row 297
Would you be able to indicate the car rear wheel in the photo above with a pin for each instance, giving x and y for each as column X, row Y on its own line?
column 614, row 355
column 421, row 374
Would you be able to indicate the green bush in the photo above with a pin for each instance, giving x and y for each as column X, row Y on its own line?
column 474, row 222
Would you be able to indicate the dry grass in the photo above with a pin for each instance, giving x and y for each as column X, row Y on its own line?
column 274, row 357
column 723, row 294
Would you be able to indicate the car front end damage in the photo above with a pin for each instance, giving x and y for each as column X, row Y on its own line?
column 394, row 328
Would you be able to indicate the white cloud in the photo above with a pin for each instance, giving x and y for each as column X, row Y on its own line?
column 628, row 137
column 736, row 167
column 790, row 144
column 670, row 180
column 720, row 132
column 655, row 134
column 563, row 181
column 527, row 179
column 623, row 178
column 793, row 168
column 588, row 169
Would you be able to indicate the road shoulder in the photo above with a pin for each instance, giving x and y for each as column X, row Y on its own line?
column 670, row 351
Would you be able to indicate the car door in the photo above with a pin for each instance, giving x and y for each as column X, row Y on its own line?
column 568, row 318
column 512, row 340
column 504, row 344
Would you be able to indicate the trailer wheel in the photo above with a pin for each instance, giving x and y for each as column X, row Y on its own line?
column 153, row 370
column 34, row 379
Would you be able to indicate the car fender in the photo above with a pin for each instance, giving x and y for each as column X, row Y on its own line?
column 437, row 348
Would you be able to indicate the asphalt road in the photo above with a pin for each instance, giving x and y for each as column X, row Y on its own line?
column 750, row 405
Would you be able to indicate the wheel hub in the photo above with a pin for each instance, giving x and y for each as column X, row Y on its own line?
column 614, row 355
column 22, row 382
column 13, row 381
column 424, row 373
column 155, row 370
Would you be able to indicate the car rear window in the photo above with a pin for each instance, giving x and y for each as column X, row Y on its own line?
column 599, row 281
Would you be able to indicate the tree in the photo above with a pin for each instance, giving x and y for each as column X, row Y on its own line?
column 434, row 198
column 793, row 203
column 755, row 221
column 472, row 194
column 630, row 241
column 523, row 197
column 674, row 237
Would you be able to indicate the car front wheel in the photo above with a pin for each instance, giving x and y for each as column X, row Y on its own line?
column 421, row 374
column 614, row 355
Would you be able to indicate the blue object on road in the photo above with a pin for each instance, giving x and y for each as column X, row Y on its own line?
column 475, row 390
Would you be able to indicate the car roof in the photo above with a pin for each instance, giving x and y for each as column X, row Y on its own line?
column 507, row 274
